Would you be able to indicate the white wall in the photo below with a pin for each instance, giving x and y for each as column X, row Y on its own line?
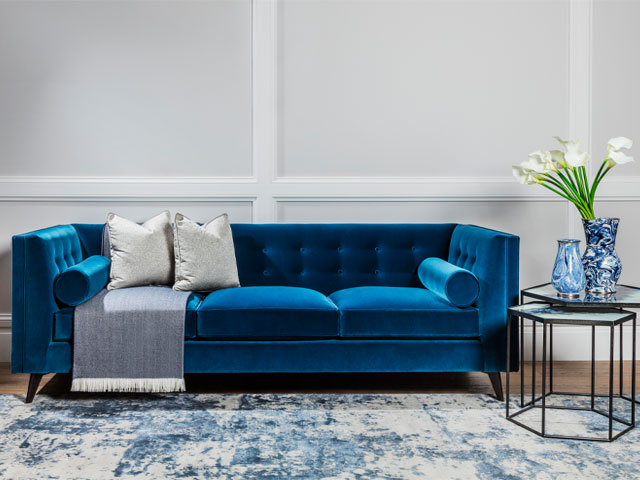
column 313, row 111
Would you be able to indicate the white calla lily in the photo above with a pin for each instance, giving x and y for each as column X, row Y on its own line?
column 618, row 143
column 541, row 162
column 619, row 158
column 563, row 172
column 524, row 174
column 615, row 147
column 573, row 157
column 558, row 158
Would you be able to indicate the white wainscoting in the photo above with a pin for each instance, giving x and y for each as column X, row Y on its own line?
column 303, row 168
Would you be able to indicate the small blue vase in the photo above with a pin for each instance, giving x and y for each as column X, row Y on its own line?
column 568, row 273
column 602, row 266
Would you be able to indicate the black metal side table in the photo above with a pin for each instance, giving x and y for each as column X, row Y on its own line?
column 626, row 296
column 547, row 314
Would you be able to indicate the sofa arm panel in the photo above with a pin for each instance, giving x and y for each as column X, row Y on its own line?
column 493, row 257
column 37, row 259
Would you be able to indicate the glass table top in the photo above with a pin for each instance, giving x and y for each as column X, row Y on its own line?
column 562, row 314
column 625, row 296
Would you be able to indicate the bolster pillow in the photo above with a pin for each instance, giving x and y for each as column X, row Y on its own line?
column 458, row 286
column 79, row 283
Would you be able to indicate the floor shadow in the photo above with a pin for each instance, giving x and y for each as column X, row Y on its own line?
column 458, row 382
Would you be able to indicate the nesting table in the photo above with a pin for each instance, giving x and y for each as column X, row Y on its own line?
column 548, row 309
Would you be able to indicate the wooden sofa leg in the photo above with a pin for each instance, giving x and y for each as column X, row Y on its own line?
column 496, row 382
column 34, row 382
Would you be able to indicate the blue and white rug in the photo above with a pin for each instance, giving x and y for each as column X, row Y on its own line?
column 292, row 436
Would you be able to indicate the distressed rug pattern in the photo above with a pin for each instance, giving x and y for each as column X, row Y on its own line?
column 295, row 436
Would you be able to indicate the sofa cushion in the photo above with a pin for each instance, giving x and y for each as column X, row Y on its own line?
column 402, row 312
column 266, row 313
column 63, row 320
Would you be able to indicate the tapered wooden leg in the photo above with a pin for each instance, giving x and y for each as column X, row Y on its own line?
column 496, row 382
column 34, row 382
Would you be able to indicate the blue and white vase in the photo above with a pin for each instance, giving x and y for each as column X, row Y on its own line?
column 568, row 273
column 602, row 266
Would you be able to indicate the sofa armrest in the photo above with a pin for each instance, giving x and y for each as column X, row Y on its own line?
column 37, row 259
column 493, row 257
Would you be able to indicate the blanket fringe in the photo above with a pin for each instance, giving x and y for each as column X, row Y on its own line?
column 128, row 385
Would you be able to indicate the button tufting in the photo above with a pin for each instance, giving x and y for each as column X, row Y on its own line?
column 414, row 248
column 301, row 249
column 266, row 272
column 340, row 249
column 377, row 249
column 264, row 250
column 377, row 272
column 339, row 272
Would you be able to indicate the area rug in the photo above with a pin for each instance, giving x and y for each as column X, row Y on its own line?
column 292, row 436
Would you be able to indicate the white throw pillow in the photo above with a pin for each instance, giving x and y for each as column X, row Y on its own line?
column 140, row 254
column 205, row 256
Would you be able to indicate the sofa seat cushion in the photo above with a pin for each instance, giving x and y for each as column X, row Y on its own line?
column 385, row 312
column 63, row 320
column 266, row 313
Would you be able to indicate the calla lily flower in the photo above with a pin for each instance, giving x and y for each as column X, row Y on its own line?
column 541, row 162
column 615, row 147
column 564, row 172
column 618, row 143
column 573, row 157
column 525, row 175
column 558, row 158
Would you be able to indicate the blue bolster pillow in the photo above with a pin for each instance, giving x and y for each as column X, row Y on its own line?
column 458, row 286
column 79, row 283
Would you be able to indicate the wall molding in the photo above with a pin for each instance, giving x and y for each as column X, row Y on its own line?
column 5, row 337
column 269, row 190
column 579, row 84
column 264, row 63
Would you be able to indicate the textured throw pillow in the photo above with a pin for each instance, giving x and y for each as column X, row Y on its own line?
column 205, row 257
column 140, row 254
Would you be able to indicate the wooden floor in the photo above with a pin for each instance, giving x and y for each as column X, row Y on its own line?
column 568, row 376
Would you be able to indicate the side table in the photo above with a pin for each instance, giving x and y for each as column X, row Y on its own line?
column 549, row 310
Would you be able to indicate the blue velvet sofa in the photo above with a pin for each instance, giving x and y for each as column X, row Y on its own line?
column 314, row 298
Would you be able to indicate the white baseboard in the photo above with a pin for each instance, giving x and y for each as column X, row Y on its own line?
column 5, row 337
column 574, row 342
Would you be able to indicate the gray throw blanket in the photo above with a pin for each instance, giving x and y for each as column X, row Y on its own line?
column 130, row 340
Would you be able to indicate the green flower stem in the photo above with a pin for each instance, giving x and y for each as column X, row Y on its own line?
column 569, row 191
column 568, row 182
column 585, row 180
column 584, row 212
column 558, row 192
column 588, row 200
column 577, row 198
column 596, row 182
column 560, row 185
column 581, row 187
column 604, row 162
column 598, row 178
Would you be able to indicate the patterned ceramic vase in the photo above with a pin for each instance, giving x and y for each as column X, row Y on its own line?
column 602, row 266
column 568, row 273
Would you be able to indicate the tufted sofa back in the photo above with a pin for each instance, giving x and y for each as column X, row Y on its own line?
column 331, row 257
column 324, row 257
